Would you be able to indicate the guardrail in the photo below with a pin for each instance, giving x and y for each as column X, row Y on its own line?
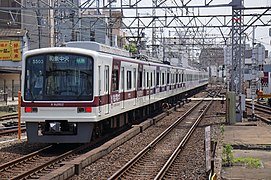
column 4, row 97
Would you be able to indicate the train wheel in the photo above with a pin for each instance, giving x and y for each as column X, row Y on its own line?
column 97, row 131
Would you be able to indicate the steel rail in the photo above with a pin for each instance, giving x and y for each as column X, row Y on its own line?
column 124, row 168
column 8, row 117
column 7, row 165
column 177, row 151
column 263, row 109
column 53, row 162
column 267, row 121
column 36, row 169
column 260, row 108
column 3, row 132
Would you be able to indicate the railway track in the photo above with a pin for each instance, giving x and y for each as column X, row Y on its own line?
column 6, row 131
column 40, row 162
column 263, row 112
column 21, row 168
column 154, row 160
column 10, row 126
column 260, row 108
column 9, row 117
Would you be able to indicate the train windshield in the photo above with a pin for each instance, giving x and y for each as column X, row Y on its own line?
column 59, row 77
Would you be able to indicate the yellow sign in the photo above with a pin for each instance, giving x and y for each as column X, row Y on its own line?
column 10, row 50
column 5, row 49
column 15, row 51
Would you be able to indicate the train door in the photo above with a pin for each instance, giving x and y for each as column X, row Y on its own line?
column 135, row 86
column 122, row 87
column 106, row 89
column 149, row 86
column 99, row 88
column 144, row 85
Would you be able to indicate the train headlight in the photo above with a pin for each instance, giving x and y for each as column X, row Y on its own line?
column 55, row 127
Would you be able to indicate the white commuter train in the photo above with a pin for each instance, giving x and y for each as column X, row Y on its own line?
column 73, row 94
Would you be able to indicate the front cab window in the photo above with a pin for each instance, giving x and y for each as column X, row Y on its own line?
column 59, row 77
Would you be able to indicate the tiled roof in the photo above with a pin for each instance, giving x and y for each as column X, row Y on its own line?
column 12, row 32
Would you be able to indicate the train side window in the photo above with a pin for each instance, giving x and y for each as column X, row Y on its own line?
column 122, row 78
column 115, row 80
column 157, row 79
column 129, row 80
column 144, row 78
column 151, row 80
column 148, row 80
column 163, row 78
column 140, row 79
column 99, row 80
column 134, row 79
column 106, row 76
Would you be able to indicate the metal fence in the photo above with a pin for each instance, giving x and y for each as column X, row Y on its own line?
column 8, row 91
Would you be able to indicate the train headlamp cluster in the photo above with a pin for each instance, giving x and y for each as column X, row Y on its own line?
column 31, row 110
column 84, row 110
column 79, row 110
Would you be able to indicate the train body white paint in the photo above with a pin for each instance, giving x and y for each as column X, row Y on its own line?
column 70, row 95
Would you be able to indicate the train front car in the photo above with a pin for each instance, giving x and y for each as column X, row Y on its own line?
column 57, row 93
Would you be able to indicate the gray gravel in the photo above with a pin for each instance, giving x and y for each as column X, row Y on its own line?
column 193, row 160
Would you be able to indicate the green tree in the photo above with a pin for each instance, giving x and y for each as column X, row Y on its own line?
column 131, row 47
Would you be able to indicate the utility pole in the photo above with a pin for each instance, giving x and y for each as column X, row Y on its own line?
column 38, row 14
column 254, row 72
column 236, row 70
column 110, row 23
column 154, row 48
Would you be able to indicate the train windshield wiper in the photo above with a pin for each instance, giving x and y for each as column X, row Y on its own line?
column 80, row 94
column 31, row 95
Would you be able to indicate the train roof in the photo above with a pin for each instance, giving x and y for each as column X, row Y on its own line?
column 96, row 49
column 94, row 46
